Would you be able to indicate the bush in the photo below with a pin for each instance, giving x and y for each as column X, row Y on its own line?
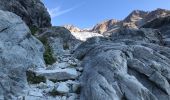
column 33, row 30
column 48, row 54
column 33, row 79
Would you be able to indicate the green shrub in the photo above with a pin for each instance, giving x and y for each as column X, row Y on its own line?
column 48, row 54
column 33, row 79
column 33, row 30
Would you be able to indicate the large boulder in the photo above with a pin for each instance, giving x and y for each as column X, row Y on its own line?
column 19, row 51
column 128, row 67
column 33, row 12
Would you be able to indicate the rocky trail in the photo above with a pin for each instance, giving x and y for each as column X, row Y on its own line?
column 60, row 81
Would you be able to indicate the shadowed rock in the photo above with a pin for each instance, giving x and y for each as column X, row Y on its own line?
column 33, row 12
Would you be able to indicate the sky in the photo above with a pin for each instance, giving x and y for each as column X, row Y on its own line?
column 87, row 13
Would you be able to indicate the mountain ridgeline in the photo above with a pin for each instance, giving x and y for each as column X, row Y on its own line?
column 135, row 19
column 115, row 60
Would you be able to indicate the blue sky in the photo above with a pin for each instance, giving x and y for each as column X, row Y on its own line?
column 86, row 13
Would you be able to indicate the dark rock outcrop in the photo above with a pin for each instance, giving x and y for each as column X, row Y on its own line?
column 33, row 12
column 156, row 14
column 162, row 24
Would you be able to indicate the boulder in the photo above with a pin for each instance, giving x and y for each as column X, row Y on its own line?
column 123, row 70
column 58, row 74
column 62, row 88
column 35, row 94
column 19, row 50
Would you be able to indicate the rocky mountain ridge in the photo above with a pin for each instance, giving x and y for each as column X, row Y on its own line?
column 135, row 19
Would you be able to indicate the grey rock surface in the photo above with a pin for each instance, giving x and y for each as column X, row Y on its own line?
column 60, row 40
column 131, row 65
column 130, row 62
column 19, row 50
column 62, row 88
column 58, row 74
column 33, row 12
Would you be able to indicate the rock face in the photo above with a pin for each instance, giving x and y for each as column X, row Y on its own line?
column 60, row 40
column 131, row 65
column 161, row 24
column 105, row 26
column 156, row 14
column 72, row 28
column 135, row 16
column 32, row 12
column 19, row 50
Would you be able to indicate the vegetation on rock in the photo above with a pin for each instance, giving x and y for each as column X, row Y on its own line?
column 48, row 54
column 33, row 79
column 33, row 30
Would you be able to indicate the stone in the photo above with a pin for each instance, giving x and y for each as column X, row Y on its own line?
column 62, row 88
column 76, row 87
column 19, row 98
column 72, row 97
column 64, row 98
column 58, row 74
column 42, row 86
column 79, row 69
column 32, row 98
column 50, row 83
column 72, row 63
column 61, row 65
column 35, row 93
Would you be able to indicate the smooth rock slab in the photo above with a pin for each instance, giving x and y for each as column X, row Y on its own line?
column 35, row 93
column 61, row 65
column 59, row 74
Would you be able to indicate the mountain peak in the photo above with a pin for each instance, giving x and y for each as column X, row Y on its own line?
column 105, row 25
column 72, row 28
column 135, row 15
